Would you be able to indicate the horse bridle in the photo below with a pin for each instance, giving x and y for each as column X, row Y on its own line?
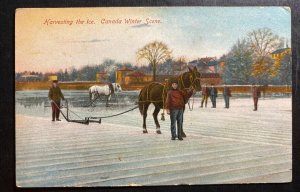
column 191, row 86
column 192, row 83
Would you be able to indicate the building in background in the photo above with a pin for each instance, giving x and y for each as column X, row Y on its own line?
column 281, row 53
column 121, row 74
column 130, row 77
column 206, row 64
column 211, row 78
column 27, row 78
column 137, row 77
column 102, row 77
column 52, row 77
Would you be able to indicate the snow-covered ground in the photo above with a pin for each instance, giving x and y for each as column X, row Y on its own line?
column 235, row 145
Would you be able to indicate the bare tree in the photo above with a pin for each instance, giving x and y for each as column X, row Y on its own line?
column 155, row 53
column 262, row 43
column 182, row 59
column 179, row 64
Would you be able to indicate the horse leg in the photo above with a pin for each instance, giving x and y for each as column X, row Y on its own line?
column 92, row 97
column 145, row 109
column 90, row 94
column 182, row 132
column 155, row 113
column 107, row 99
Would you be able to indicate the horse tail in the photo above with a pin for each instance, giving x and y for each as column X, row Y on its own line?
column 143, row 99
column 140, row 102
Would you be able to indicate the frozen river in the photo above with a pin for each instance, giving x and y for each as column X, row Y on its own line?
column 36, row 103
column 235, row 145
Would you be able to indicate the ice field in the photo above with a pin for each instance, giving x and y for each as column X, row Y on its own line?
column 235, row 145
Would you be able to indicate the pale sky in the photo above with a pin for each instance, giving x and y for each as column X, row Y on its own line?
column 45, row 46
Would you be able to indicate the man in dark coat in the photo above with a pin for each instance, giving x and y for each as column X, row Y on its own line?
column 255, row 94
column 175, row 106
column 205, row 95
column 213, row 92
column 226, row 95
column 111, row 88
column 55, row 95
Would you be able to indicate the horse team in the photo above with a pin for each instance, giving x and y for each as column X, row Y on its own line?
column 155, row 93
column 158, row 94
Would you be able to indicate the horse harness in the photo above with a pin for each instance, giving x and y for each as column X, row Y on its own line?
column 111, row 89
column 164, row 91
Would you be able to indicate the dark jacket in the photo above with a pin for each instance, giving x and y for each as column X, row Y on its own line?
column 227, row 91
column 55, row 94
column 213, row 92
column 256, row 92
column 111, row 88
column 176, row 99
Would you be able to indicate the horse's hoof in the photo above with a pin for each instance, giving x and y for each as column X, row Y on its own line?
column 183, row 134
column 158, row 131
column 145, row 131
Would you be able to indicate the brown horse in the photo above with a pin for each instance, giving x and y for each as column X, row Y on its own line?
column 156, row 93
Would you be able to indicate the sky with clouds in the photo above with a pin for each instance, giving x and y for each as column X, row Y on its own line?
column 47, row 39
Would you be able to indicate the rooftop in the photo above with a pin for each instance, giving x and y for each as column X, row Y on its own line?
column 280, row 50
column 205, row 61
column 125, row 69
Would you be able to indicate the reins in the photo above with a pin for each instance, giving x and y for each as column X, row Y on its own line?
column 89, row 119
column 191, row 108
column 93, row 119
column 191, row 86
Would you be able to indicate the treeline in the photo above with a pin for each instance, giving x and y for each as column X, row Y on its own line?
column 88, row 72
column 249, row 60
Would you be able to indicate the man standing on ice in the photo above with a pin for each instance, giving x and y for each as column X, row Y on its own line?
column 213, row 92
column 55, row 95
column 226, row 95
column 255, row 95
column 205, row 95
column 175, row 106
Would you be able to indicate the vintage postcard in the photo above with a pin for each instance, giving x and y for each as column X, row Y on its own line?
column 143, row 96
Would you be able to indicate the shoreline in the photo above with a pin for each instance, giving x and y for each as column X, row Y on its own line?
column 44, row 85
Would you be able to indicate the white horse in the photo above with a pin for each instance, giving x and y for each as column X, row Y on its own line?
column 105, row 90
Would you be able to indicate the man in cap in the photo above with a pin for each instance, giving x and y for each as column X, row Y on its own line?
column 175, row 104
column 55, row 95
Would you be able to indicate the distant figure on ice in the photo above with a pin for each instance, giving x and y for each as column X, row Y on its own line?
column 226, row 95
column 255, row 95
column 55, row 95
column 175, row 104
column 213, row 92
column 205, row 95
